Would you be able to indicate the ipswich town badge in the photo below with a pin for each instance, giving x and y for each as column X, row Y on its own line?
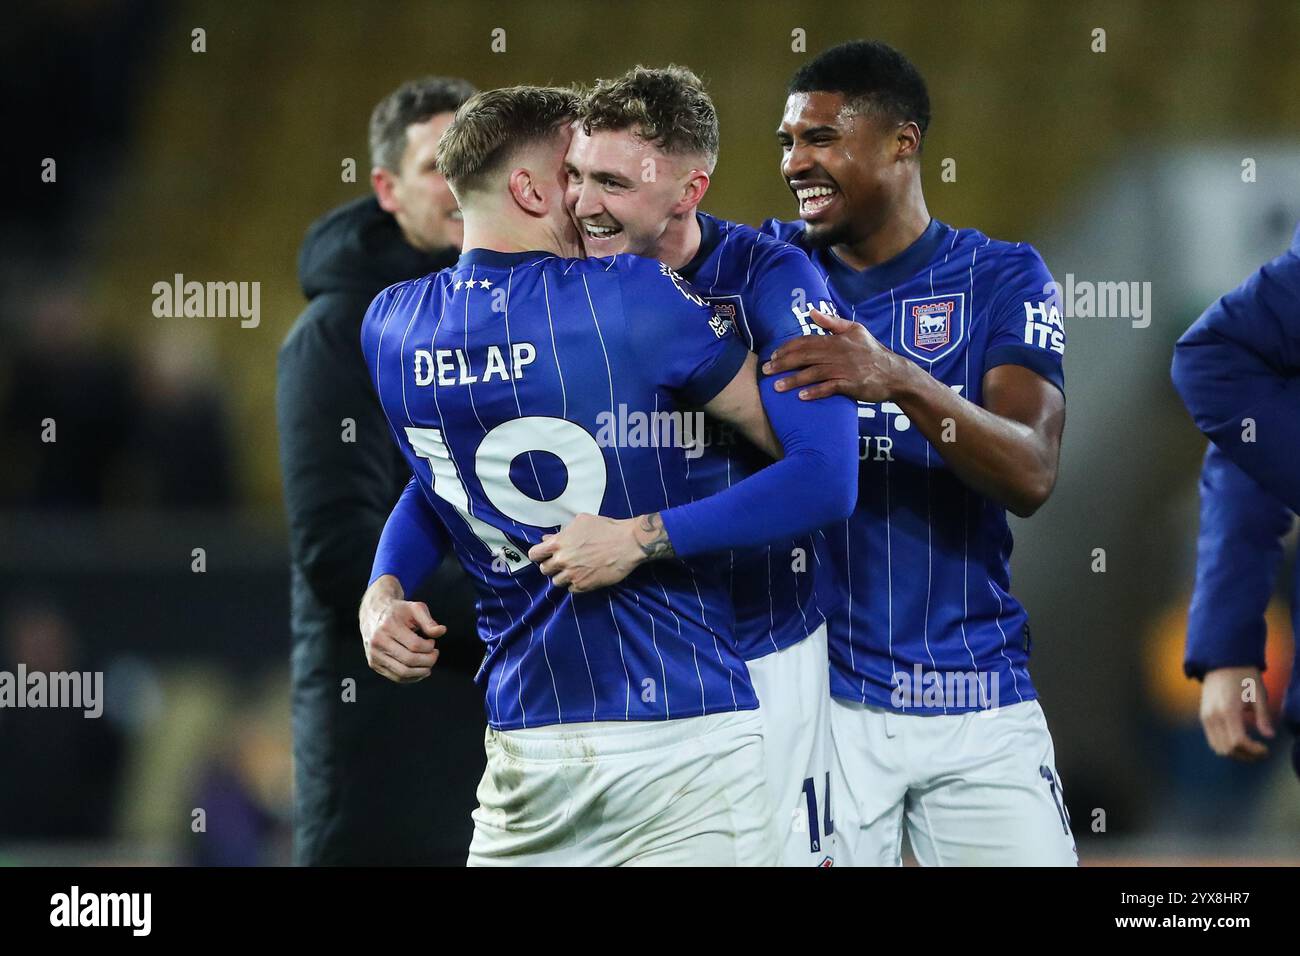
column 933, row 326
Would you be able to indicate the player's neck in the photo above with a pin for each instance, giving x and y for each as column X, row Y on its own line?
column 901, row 227
column 521, row 235
column 680, row 241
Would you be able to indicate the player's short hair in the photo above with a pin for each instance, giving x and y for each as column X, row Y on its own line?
column 872, row 76
column 415, row 101
column 667, row 107
column 492, row 126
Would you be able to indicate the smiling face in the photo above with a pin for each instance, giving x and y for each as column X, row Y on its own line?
column 624, row 192
column 843, row 165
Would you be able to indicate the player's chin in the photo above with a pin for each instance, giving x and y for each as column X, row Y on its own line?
column 823, row 231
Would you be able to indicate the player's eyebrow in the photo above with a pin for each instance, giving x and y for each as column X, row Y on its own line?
column 600, row 175
column 823, row 130
column 605, row 176
column 811, row 132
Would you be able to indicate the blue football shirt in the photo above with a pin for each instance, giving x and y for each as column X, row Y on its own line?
column 509, row 382
column 931, row 625
column 768, row 289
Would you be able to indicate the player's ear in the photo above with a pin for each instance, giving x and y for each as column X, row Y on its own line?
column 383, row 182
column 526, row 194
column 909, row 140
column 697, row 184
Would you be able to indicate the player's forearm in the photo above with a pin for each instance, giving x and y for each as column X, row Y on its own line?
column 814, row 485
column 1002, row 459
column 776, row 504
column 412, row 544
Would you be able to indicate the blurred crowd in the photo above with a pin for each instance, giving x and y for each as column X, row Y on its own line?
column 89, row 425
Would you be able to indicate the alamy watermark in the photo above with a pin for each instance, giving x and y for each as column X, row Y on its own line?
column 133, row 911
column 1085, row 299
column 958, row 690
column 208, row 300
column 631, row 428
column 83, row 690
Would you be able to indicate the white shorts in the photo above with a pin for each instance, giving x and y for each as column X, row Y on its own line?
column 976, row 789
column 687, row 792
column 793, row 686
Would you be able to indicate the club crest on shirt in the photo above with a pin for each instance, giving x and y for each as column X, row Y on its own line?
column 726, row 309
column 933, row 326
column 721, row 323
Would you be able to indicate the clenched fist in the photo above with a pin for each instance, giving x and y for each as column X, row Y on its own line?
column 398, row 635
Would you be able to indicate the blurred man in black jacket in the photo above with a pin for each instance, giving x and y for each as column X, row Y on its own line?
column 384, row 774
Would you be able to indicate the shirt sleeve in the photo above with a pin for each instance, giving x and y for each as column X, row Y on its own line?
column 1238, row 553
column 697, row 354
column 786, row 288
column 785, row 231
column 1025, row 321
column 1237, row 370
column 413, row 542
column 815, row 483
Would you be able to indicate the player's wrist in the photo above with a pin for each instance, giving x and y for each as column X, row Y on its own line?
column 907, row 379
column 650, row 538
column 385, row 591
column 1230, row 673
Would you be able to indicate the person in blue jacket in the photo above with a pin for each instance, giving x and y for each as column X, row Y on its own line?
column 1237, row 370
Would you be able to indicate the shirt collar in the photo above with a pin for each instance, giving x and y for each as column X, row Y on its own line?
column 857, row 286
column 710, row 236
column 504, row 260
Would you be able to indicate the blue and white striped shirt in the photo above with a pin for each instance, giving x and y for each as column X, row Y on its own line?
column 509, row 382
column 931, row 625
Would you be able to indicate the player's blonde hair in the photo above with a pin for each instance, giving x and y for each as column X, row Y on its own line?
column 667, row 107
column 493, row 125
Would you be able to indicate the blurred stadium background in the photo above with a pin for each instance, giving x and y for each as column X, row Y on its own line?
column 1120, row 166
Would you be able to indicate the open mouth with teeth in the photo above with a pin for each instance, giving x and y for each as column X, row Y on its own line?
column 600, row 232
column 814, row 200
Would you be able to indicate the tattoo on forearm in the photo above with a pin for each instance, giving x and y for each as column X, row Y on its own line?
column 657, row 546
